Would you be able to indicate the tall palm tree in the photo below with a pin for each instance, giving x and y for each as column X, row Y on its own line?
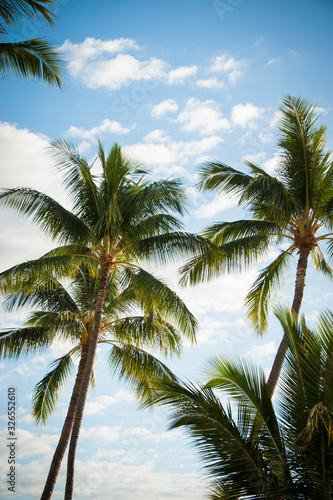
column 34, row 58
column 119, row 218
column 70, row 313
column 292, row 455
column 293, row 208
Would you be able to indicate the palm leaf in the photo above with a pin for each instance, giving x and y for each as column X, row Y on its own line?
column 46, row 392
column 138, row 367
column 46, row 213
column 34, row 58
column 257, row 299
column 22, row 341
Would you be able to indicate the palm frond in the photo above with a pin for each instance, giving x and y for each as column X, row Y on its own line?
column 230, row 457
column 153, row 294
column 246, row 383
column 14, row 12
column 34, row 58
column 78, row 180
column 46, row 392
column 137, row 367
column 257, row 299
column 50, row 217
column 224, row 232
column 320, row 262
column 25, row 340
column 219, row 176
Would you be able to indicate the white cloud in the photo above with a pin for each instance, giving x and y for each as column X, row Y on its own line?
column 276, row 119
column 203, row 117
column 230, row 333
column 103, row 476
column 103, row 64
column 169, row 156
column 100, row 403
column 106, row 127
column 124, row 69
column 178, row 75
column 135, row 482
column 228, row 65
column 210, row 83
column 272, row 163
column 226, row 293
column 244, row 114
column 218, row 204
column 28, row 162
column 78, row 54
column 255, row 158
column 272, row 61
column 261, row 351
column 95, row 64
column 166, row 106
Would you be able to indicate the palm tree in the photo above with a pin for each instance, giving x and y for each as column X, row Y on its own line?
column 118, row 218
column 292, row 455
column 34, row 58
column 293, row 208
column 70, row 313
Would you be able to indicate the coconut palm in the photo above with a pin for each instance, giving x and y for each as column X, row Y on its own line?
column 291, row 457
column 119, row 218
column 293, row 208
column 69, row 314
column 34, row 58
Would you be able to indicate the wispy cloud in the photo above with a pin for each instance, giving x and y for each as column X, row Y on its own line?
column 210, row 83
column 273, row 61
column 106, row 127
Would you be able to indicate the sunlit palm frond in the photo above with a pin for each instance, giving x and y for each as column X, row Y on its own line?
column 224, row 232
column 221, row 177
column 138, row 367
column 153, row 294
column 321, row 263
column 46, row 392
column 25, row 340
column 78, row 181
column 257, row 299
column 246, row 384
column 50, row 217
column 230, row 458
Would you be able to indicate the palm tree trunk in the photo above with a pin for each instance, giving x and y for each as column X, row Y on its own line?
column 66, row 430
column 85, row 383
column 298, row 296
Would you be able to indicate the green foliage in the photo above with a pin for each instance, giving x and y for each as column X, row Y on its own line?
column 34, row 58
column 293, row 207
column 250, row 449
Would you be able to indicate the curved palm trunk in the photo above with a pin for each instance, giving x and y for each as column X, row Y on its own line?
column 66, row 430
column 298, row 296
column 85, row 383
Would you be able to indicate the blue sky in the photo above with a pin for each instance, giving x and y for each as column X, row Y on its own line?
column 175, row 83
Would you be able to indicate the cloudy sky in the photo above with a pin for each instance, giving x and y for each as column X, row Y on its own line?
column 176, row 83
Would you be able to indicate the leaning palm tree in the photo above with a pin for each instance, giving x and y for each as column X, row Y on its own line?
column 291, row 457
column 69, row 313
column 119, row 218
column 293, row 208
column 34, row 58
